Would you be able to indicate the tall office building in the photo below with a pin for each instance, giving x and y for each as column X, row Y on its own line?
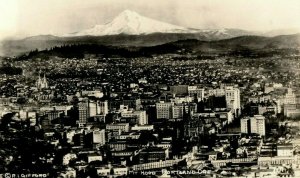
column 97, row 108
column 233, row 102
column 99, row 137
column 245, row 125
column 177, row 111
column 102, row 108
column 196, row 91
column 164, row 110
column 255, row 124
column 290, row 97
column 83, row 113
column 171, row 110
column 92, row 108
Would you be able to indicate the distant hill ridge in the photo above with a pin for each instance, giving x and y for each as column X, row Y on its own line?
column 247, row 46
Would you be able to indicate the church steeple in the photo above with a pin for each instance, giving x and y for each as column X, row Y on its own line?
column 42, row 83
column 45, row 82
column 39, row 80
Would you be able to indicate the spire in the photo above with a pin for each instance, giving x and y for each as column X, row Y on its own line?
column 45, row 82
column 39, row 81
column 42, row 83
column 44, row 79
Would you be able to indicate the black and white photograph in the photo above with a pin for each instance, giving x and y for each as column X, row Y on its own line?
column 149, row 88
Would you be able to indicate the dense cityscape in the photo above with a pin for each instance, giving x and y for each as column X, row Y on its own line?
column 164, row 115
column 149, row 89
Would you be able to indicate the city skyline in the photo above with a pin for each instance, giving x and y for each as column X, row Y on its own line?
column 125, row 88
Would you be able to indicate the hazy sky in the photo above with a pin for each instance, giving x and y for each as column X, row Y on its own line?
column 34, row 17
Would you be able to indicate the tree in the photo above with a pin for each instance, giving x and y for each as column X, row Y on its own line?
column 6, row 119
column 22, row 101
column 75, row 101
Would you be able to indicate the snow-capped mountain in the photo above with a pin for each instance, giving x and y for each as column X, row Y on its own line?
column 132, row 23
column 224, row 33
column 127, row 29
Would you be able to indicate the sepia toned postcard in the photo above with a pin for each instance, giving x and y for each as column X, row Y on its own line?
column 154, row 89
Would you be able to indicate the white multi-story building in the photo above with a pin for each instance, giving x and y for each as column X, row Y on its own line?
column 245, row 125
column 232, row 96
column 103, row 171
column 141, row 116
column 99, row 137
column 94, row 157
column 102, row 108
column 120, row 171
column 142, row 127
column 292, row 110
column 177, row 111
column 290, row 97
column 92, row 108
column 124, row 127
column 170, row 110
column 97, row 108
column 164, row 110
column 233, row 102
column 285, row 150
column 83, row 113
column 196, row 91
column 216, row 92
column 255, row 124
